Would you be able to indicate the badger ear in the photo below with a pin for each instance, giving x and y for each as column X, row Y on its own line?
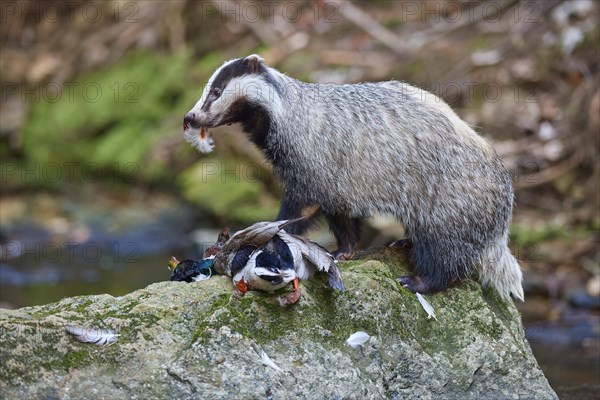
column 253, row 62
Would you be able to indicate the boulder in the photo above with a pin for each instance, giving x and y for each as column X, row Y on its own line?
column 199, row 340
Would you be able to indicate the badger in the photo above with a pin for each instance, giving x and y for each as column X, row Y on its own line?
column 355, row 150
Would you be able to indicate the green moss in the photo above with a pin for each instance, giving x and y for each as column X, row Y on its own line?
column 76, row 359
column 498, row 306
column 84, row 304
column 493, row 330
column 201, row 318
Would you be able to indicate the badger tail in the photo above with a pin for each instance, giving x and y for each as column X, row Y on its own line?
column 501, row 270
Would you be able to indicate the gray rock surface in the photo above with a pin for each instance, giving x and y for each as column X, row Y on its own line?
column 198, row 340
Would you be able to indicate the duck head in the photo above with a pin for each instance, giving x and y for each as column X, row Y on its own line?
column 191, row 270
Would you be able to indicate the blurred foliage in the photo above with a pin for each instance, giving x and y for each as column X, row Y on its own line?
column 229, row 190
column 524, row 235
column 112, row 117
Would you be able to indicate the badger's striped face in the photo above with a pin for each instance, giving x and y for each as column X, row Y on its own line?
column 235, row 89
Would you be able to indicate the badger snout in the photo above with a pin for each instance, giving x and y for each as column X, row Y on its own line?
column 197, row 120
column 191, row 121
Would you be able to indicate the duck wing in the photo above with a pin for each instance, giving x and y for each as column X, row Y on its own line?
column 260, row 233
column 303, row 270
column 318, row 256
column 241, row 258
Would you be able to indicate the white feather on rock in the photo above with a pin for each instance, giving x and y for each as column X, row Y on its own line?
column 266, row 360
column 426, row 306
column 357, row 339
column 98, row 337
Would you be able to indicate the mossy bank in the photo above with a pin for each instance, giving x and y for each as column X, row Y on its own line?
column 198, row 340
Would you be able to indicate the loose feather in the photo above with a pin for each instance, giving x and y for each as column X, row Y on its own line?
column 266, row 360
column 201, row 139
column 426, row 306
column 98, row 337
column 357, row 339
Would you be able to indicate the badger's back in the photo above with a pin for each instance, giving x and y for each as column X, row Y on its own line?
column 390, row 147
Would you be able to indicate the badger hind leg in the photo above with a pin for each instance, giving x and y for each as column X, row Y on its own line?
column 437, row 266
column 347, row 233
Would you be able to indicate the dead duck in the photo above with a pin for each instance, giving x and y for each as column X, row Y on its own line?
column 265, row 257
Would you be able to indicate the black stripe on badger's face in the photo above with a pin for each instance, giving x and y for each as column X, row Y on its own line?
column 234, row 69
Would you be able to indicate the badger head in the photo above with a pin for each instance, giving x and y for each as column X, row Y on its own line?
column 243, row 91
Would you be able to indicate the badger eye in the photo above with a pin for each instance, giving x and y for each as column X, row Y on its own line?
column 216, row 92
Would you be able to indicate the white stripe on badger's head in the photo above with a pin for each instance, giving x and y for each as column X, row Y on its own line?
column 206, row 90
column 235, row 88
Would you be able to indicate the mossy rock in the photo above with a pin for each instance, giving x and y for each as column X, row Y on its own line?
column 199, row 340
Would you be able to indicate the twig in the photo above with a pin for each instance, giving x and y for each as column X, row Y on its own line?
column 261, row 30
column 280, row 45
column 371, row 26
column 551, row 173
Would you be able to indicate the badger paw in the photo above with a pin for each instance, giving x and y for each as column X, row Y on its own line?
column 413, row 283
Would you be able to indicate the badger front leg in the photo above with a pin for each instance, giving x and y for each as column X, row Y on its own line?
column 292, row 208
column 347, row 233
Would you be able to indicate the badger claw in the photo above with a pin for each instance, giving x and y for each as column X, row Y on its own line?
column 413, row 283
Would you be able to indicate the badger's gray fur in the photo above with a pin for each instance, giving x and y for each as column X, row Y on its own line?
column 388, row 147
